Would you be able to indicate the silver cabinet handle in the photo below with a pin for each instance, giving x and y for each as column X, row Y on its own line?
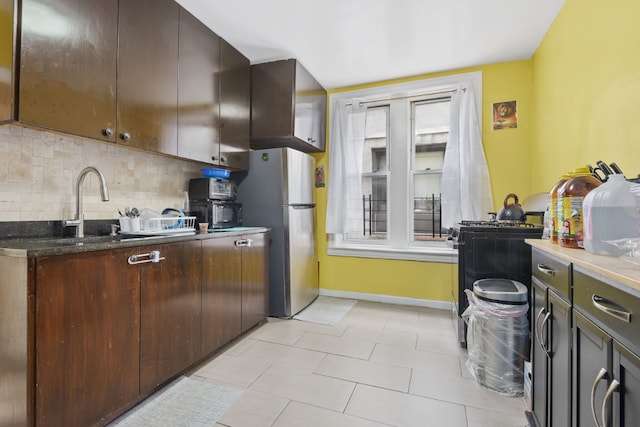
column 612, row 388
column 244, row 242
column 153, row 256
column 125, row 136
column 545, row 343
column 535, row 327
column 602, row 304
column 546, row 270
column 602, row 374
column 107, row 132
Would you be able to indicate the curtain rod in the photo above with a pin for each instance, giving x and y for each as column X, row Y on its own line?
column 408, row 96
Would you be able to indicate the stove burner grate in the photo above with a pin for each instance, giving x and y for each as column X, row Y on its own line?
column 498, row 224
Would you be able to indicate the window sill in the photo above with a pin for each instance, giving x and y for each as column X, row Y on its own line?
column 443, row 254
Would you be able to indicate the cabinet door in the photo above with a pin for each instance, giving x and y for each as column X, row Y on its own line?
column 221, row 292
column 68, row 66
column 255, row 280
column 148, row 75
column 272, row 92
column 170, row 326
column 559, row 375
column 310, row 112
column 198, row 91
column 87, row 337
column 540, row 360
column 319, row 117
column 626, row 366
column 235, row 105
column 591, row 371
column 304, row 105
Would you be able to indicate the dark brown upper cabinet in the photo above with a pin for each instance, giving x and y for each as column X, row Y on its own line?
column 142, row 73
column 235, row 107
column 288, row 107
column 148, row 75
column 213, row 98
column 198, row 91
column 7, row 59
column 68, row 66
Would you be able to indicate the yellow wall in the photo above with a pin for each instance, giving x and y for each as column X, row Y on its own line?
column 507, row 153
column 6, row 57
column 586, row 76
column 578, row 102
column 6, row 34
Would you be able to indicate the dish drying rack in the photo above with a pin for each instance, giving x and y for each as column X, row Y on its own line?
column 165, row 223
column 162, row 226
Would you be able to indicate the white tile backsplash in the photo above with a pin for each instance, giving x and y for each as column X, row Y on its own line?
column 39, row 169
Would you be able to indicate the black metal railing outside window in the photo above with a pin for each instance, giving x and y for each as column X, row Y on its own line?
column 427, row 217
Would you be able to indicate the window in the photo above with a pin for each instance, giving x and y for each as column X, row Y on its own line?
column 430, row 132
column 375, row 177
column 393, row 140
column 428, row 125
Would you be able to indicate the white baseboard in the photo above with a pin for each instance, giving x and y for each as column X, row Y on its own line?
column 390, row 299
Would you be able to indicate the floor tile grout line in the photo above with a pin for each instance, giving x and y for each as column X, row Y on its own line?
column 350, row 326
column 282, row 412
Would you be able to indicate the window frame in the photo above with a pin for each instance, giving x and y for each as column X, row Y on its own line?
column 411, row 167
column 434, row 251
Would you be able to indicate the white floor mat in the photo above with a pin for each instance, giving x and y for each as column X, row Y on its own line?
column 183, row 403
column 326, row 310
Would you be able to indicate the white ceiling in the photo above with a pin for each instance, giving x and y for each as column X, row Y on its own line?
column 349, row 42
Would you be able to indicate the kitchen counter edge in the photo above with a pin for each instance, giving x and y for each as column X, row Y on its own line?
column 32, row 248
column 613, row 268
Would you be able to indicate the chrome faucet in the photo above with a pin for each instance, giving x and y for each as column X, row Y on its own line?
column 78, row 222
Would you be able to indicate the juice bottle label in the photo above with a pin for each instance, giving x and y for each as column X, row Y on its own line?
column 573, row 219
column 558, row 217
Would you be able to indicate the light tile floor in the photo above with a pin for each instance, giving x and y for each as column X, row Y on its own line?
column 381, row 365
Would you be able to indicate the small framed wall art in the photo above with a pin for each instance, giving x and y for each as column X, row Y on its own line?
column 319, row 178
column 505, row 115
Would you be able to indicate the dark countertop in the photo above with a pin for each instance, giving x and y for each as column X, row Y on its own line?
column 50, row 246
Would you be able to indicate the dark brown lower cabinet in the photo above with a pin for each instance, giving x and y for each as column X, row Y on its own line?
column 235, row 287
column 108, row 333
column 255, row 282
column 87, row 336
column 221, row 292
column 170, row 323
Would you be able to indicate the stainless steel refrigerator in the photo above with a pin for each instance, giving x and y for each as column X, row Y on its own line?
column 277, row 192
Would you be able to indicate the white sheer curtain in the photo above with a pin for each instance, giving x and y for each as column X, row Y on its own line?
column 466, row 190
column 347, row 133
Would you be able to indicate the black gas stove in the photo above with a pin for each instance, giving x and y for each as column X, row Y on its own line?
column 489, row 249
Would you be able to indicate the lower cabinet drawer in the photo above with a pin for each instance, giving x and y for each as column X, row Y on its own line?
column 554, row 272
column 613, row 306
